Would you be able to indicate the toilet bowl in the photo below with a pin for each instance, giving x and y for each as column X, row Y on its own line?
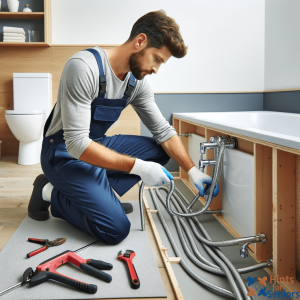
column 27, row 127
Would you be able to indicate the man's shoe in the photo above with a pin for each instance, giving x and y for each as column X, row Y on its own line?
column 127, row 207
column 37, row 207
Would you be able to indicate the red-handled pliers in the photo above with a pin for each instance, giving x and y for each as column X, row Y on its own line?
column 46, row 244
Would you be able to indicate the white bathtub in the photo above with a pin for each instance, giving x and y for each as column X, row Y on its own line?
column 274, row 127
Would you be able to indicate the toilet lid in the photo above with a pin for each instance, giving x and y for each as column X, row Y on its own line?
column 24, row 112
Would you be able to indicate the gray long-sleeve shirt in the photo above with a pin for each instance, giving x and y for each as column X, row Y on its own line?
column 79, row 85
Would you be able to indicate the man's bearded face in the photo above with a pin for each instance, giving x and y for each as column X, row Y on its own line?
column 135, row 64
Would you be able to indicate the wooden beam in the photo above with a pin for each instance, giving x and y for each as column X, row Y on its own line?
column 163, row 253
column 298, row 217
column 21, row 15
column 263, row 199
column 284, row 200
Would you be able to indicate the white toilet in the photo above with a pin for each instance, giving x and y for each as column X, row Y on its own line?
column 32, row 101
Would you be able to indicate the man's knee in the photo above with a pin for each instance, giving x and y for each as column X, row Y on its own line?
column 117, row 232
column 122, row 230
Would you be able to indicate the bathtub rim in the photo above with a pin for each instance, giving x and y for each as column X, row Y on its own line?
column 289, row 141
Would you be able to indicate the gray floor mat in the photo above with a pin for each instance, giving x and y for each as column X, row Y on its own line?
column 13, row 262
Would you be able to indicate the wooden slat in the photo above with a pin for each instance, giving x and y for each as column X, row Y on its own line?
column 244, row 145
column 47, row 22
column 26, row 44
column 298, row 217
column 263, row 199
column 200, row 131
column 284, row 200
column 21, row 15
column 164, row 257
column 176, row 124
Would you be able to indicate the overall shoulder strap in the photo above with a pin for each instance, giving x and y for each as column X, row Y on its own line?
column 48, row 121
column 130, row 86
column 102, row 77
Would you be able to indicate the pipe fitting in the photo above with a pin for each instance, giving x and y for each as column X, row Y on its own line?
column 186, row 134
column 207, row 162
column 270, row 262
column 262, row 238
column 244, row 251
column 207, row 145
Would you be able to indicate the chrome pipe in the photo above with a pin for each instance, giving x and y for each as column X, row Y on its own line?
column 186, row 134
column 210, row 190
column 141, row 191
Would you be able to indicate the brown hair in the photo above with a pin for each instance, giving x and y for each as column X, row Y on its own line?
column 160, row 30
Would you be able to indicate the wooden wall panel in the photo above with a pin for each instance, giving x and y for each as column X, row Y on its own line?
column 44, row 60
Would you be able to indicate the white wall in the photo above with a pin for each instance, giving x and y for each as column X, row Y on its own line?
column 282, row 44
column 225, row 38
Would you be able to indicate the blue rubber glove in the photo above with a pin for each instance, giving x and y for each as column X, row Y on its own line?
column 167, row 173
column 199, row 178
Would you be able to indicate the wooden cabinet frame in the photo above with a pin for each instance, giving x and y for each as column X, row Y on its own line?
column 46, row 15
column 277, row 202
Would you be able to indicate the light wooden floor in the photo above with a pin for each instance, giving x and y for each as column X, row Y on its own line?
column 15, row 190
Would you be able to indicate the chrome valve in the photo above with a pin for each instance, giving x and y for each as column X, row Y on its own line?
column 214, row 143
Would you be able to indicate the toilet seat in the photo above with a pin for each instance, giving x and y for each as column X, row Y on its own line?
column 24, row 112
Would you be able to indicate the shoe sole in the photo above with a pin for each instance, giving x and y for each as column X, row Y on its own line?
column 128, row 211
column 30, row 215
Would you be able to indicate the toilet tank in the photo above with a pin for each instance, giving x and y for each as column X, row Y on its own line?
column 32, row 91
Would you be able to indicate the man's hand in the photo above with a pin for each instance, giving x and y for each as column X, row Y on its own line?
column 199, row 178
column 152, row 174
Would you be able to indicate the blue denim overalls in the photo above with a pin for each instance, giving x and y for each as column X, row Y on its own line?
column 82, row 193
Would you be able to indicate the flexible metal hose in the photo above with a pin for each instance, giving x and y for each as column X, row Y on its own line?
column 192, row 223
column 238, row 241
column 211, row 189
column 216, row 270
column 207, row 284
column 218, row 251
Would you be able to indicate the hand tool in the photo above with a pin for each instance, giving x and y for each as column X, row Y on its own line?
column 47, row 244
column 47, row 270
column 127, row 257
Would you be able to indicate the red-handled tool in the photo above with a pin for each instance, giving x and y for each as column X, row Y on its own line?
column 46, row 244
column 47, row 270
column 127, row 257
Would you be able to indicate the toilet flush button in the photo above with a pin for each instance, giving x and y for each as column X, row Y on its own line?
column 51, row 141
